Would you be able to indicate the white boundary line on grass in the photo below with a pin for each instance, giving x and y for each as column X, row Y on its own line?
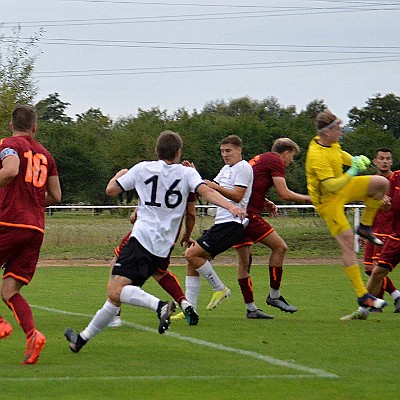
column 316, row 373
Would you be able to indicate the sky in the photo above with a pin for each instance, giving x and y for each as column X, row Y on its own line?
column 122, row 55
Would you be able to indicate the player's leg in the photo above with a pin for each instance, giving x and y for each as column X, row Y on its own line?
column 244, row 253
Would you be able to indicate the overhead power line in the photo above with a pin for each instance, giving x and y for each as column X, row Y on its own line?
column 215, row 67
column 294, row 11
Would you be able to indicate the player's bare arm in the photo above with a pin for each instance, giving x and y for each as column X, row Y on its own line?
column 113, row 189
column 53, row 191
column 286, row 194
column 235, row 194
column 10, row 169
column 216, row 198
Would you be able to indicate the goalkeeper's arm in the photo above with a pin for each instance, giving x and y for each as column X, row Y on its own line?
column 358, row 164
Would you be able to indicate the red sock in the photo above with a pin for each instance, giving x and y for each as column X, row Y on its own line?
column 22, row 313
column 246, row 286
column 275, row 277
column 170, row 284
column 390, row 288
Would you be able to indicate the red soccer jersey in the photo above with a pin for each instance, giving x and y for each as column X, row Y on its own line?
column 22, row 201
column 394, row 193
column 265, row 167
column 383, row 221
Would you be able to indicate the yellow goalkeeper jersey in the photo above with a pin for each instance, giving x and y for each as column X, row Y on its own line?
column 323, row 162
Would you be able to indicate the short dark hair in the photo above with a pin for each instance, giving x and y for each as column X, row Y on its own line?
column 168, row 145
column 23, row 118
column 383, row 150
column 232, row 139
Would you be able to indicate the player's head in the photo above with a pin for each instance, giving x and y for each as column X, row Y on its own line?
column 169, row 146
column 383, row 160
column 328, row 125
column 231, row 149
column 23, row 119
column 286, row 149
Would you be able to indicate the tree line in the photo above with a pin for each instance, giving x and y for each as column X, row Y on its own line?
column 91, row 148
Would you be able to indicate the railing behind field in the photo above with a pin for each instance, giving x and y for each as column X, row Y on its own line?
column 202, row 211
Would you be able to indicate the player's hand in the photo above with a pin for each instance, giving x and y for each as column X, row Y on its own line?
column 271, row 208
column 238, row 212
column 187, row 242
column 358, row 164
column 187, row 163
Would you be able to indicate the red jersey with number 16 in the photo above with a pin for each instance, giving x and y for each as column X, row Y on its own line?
column 22, row 201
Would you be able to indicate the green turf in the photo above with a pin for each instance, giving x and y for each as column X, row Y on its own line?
column 225, row 357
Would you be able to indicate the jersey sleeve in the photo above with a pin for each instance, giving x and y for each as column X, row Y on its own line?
column 244, row 176
column 128, row 181
column 194, row 179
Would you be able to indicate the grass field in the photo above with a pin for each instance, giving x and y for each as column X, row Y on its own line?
column 307, row 355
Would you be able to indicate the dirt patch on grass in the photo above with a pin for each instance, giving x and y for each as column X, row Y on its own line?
column 84, row 262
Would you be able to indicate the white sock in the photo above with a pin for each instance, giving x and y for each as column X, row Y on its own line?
column 136, row 296
column 251, row 306
column 395, row 294
column 102, row 318
column 184, row 305
column 192, row 285
column 363, row 310
column 211, row 276
column 274, row 293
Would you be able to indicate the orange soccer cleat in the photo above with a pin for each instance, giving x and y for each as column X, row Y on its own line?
column 34, row 345
column 5, row 328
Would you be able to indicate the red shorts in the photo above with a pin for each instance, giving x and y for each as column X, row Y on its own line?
column 19, row 252
column 390, row 255
column 371, row 252
column 257, row 229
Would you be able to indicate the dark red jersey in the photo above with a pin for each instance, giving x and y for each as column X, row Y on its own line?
column 22, row 201
column 265, row 167
column 383, row 221
column 394, row 193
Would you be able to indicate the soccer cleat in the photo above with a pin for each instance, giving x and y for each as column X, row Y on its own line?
column 281, row 303
column 354, row 315
column 34, row 345
column 397, row 305
column 75, row 340
column 217, row 298
column 164, row 315
column 5, row 328
column 116, row 322
column 258, row 314
column 178, row 316
column 366, row 233
column 191, row 315
column 370, row 301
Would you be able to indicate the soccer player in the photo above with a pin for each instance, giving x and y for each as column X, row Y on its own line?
column 163, row 187
column 382, row 227
column 28, row 182
column 269, row 171
column 164, row 277
column 330, row 189
column 390, row 255
column 234, row 182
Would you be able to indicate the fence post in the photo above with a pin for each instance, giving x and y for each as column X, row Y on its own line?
column 356, row 223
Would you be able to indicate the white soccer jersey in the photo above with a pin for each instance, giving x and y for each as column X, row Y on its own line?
column 163, row 190
column 240, row 174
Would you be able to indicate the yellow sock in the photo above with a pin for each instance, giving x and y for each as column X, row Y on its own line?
column 353, row 273
column 368, row 214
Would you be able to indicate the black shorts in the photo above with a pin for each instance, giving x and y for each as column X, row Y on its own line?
column 220, row 237
column 136, row 263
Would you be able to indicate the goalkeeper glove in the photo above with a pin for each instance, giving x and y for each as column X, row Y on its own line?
column 358, row 164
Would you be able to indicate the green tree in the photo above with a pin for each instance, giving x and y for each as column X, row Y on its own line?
column 384, row 111
column 17, row 84
column 52, row 109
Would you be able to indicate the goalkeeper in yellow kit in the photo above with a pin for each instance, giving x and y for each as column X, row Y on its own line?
column 330, row 189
